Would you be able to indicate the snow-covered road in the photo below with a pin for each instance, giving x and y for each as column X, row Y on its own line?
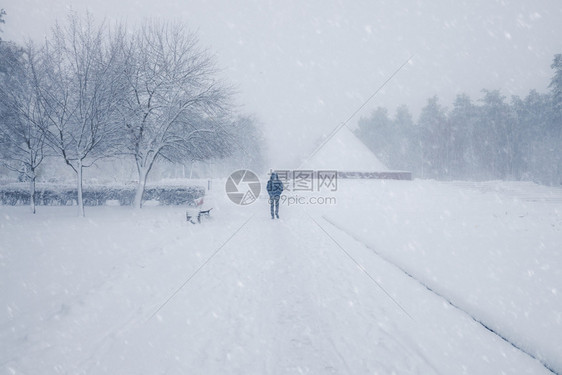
column 240, row 294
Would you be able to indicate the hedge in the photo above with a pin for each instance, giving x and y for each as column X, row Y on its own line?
column 63, row 195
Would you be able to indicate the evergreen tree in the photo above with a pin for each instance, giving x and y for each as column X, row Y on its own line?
column 2, row 14
column 377, row 133
column 462, row 118
column 406, row 149
column 433, row 138
column 497, row 135
column 555, row 140
column 556, row 89
column 533, row 116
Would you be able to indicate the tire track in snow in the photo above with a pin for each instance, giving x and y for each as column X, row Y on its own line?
column 379, row 336
column 446, row 299
column 362, row 268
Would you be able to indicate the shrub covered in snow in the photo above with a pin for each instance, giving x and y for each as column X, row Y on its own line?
column 65, row 195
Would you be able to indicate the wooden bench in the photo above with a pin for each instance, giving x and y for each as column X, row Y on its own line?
column 190, row 216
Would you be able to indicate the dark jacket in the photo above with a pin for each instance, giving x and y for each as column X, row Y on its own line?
column 274, row 186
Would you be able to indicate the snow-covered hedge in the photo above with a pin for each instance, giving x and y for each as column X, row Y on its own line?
column 65, row 195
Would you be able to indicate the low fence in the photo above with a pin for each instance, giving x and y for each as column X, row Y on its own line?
column 63, row 195
column 388, row 175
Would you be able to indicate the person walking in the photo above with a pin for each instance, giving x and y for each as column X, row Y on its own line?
column 274, row 189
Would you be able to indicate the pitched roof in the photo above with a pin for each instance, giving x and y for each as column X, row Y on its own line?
column 343, row 151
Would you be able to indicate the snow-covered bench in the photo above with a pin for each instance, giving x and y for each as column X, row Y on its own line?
column 196, row 210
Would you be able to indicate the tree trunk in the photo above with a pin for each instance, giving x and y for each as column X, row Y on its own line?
column 32, row 193
column 80, row 196
column 144, row 167
column 140, row 187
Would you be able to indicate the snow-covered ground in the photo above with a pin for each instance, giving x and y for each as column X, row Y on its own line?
column 406, row 277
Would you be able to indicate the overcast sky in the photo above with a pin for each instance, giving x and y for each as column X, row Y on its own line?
column 303, row 67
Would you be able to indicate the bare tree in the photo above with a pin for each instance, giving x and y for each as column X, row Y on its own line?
column 76, row 83
column 22, row 142
column 173, row 107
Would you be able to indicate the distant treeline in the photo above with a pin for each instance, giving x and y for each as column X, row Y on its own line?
column 519, row 139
